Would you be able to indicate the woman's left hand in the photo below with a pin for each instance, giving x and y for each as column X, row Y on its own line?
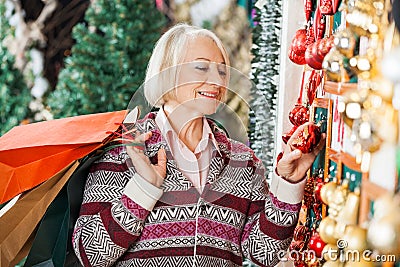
column 294, row 164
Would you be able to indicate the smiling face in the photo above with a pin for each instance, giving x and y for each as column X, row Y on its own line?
column 202, row 77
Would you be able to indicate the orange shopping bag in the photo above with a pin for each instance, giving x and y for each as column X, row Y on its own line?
column 31, row 154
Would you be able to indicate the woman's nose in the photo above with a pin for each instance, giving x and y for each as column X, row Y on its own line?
column 215, row 76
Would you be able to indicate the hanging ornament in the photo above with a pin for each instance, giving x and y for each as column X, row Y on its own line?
column 316, row 244
column 326, row 7
column 311, row 87
column 335, row 263
column 363, row 262
column 329, row 7
column 327, row 228
column 348, row 215
column 301, row 233
column 310, row 35
column 300, row 263
column 384, row 229
column 346, row 42
column 298, row 47
column 327, row 191
column 364, row 17
column 338, row 198
column 355, row 238
column 317, row 191
column 336, row 67
column 330, row 251
column 308, row 198
column 308, row 138
column 308, row 8
column 296, row 246
column 319, row 25
column 286, row 136
column 299, row 115
column 316, row 52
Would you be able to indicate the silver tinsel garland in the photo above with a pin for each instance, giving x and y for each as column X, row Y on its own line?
column 265, row 75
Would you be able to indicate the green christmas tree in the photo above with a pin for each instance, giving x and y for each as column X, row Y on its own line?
column 14, row 93
column 109, row 59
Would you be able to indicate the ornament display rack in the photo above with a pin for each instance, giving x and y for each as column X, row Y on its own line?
column 343, row 161
column 342, row 165
column 345, row 167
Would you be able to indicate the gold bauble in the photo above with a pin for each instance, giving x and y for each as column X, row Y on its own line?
column 338, row 199
column 383, row 234
column 355, row 238
column 345, row 42
column 327, row 191
column 385, row 205
column 327, row 230
column 333, row 66
column 361, row 263
column 336, row 263
column 330, row 253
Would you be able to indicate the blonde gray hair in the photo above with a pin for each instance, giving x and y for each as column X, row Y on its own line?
column 168, row 53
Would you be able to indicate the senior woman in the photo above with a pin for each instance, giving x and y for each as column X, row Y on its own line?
column 192, row 197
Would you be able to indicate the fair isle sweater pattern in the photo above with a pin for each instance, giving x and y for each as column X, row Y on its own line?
column 235, row 216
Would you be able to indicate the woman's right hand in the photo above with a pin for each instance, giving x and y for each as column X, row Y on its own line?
column 153, row 173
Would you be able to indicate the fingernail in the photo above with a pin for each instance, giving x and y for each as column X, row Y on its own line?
column 297, row 152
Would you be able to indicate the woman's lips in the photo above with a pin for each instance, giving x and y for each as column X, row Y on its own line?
column 208, row 94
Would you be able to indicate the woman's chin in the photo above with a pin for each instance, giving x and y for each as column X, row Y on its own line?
column 206, row 106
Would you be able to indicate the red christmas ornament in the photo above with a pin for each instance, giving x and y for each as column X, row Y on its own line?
column 312, row 58
column 312, row 85
column 309, row 192
column 308, row 138
column 317, row 211
column 300, row 264
column 335, row 5
column 326, row 7
column 324, row 46
column 316, row 52
column 316, row 244
column 308, row 8
column 298, row 47
column 317, row 192
column 319, row 24
column 301, row 233
column 299, row 115
column 296, row 246
column 310, row 36
column 286, row 136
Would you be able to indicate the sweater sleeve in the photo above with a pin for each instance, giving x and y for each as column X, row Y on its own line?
column 272, row 218
column 115, row 205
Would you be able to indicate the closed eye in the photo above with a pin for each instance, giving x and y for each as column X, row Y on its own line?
column 201, row 68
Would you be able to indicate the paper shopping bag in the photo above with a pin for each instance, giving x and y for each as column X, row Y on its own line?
column 31, row 154
column 20, row 222
column 52, row 245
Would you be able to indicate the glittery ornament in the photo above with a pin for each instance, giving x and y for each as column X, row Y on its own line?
column 316, row 244
column 298, row 47
column 308, row 138
column 299, row 115
column 286, row 136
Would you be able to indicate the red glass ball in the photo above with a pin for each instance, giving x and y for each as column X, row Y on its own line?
column 317, row 192
column 298, row 47
column 316, row 244
column 308, row 138
column 286, row 136
column 300, row 233
column 299, row 115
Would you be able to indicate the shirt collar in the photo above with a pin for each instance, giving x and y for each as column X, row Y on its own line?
column 166, row 128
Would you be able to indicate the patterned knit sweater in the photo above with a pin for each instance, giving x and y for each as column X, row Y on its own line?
column 126, row 221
